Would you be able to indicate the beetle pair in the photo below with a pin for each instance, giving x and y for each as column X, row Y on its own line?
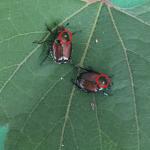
column 61, row 50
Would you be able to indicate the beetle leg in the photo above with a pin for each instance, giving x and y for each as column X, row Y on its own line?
column 104, row 93
column 81, row 68
column 67, row 24
column 88, row 69
column 73, row 33
column 44, row 59
column 107, row 92
column 74, row 82
column 49, row 29
column 111, row 76
column 111, row 84
column 40, row 42
column 47, row 56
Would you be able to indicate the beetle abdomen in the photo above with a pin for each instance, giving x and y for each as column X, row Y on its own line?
column 90, row 76
column 67, row 50
column 87, row 86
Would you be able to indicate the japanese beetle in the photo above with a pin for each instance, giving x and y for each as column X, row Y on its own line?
column 60, row 44
column 93, row 82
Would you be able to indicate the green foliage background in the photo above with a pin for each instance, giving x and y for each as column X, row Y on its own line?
column 129, row 3
column 40, row 109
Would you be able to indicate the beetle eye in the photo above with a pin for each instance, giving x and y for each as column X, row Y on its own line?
column 103, row 81
column 65, row 36
column 57, row 41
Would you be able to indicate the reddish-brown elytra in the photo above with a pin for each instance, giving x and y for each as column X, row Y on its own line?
column 62, row 45
column 93, row 82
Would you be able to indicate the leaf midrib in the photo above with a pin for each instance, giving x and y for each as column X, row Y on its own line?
column 130, row 75
column 19, row 66
column 47, row 91
column 30, row 54
column 80, row 64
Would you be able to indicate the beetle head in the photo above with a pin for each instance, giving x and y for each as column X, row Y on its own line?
column 65, row 37
column 103, row 81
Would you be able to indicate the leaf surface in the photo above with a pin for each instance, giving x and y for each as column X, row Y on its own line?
column 43, row 109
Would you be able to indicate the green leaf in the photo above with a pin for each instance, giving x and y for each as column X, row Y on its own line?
column 129, row 3
column 39, row 104
column 3, row 133
column 142, row 12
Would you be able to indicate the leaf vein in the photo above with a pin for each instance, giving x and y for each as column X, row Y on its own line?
column 74, row 136
column 73, row 89
column 132, row 16
column 130, row 75
column 21, row 34
column 98, row 124
column 35, row 49
column 141, row 56
column 7, row 67
column 26, row 58
column 41, row 100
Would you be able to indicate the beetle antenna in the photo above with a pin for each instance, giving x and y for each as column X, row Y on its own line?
column 47, row 55
column 73, row 33
column 49, row 29
column 73, row 82
column 43, row 60
column 40, row 42
column 67, row 24
column 89, row 69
